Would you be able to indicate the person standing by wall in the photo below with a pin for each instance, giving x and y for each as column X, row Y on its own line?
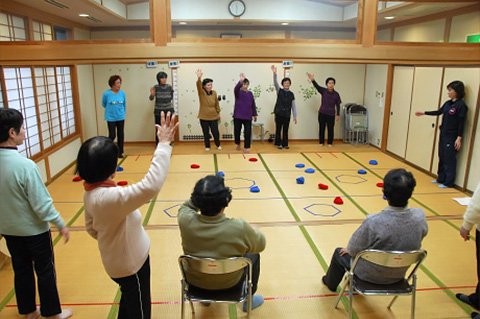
column 115, row 104
column 26, row 209
column 209, row 110
column 284, row 106
column 471, row 218
column 244, row 111
column 163, row 95
column 454, row 113
column 329, row 110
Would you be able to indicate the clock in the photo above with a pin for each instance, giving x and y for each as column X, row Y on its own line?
column 236, row 8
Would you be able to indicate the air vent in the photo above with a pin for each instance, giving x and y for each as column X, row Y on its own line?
column 93, row 19
column 57, row 4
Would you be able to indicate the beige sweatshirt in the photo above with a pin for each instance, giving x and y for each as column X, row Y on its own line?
column 209, row 108
column 472, row 214
column 113, row 219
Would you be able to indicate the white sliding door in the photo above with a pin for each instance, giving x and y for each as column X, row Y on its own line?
column 400, row 110
column 421, row 130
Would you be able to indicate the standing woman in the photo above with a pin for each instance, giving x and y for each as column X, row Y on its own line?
column 163, row 94
column 112, row 215
column 329, row 110
column 243, row 112
column 454, row 113
column 284, row 105
column 26, row 211
column 209, row 111
column 115, row 104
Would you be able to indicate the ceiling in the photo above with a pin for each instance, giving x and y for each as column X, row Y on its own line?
column 108, row 18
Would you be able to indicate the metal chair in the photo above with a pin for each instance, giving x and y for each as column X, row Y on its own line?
column 211, row 266
column 389, row 259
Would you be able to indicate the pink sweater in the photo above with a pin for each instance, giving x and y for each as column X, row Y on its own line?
column 113, row 219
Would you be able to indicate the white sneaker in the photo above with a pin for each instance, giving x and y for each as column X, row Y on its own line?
column 207, row 149
column 219, row 148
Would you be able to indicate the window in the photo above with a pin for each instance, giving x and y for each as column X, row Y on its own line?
column 42, row 31
column 44, row 96
column 20, row 96
column 12, row 28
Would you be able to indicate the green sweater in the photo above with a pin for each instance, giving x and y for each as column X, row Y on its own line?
column 216, row 237
column 26, row 208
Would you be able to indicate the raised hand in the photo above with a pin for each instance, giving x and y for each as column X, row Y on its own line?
column 167, row 128
column 274, row 69
column 310, row 76
column 419, row 113
column 242, row 77
column 199, row 73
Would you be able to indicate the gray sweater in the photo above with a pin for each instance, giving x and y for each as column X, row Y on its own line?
column 393, row 228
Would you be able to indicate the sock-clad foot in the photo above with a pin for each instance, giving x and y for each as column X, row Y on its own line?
column 33, row 315
column 237, row 147
column 66, row 313
column 325, row 283
column 257, row 301
column 442, row 186
column 246, row 150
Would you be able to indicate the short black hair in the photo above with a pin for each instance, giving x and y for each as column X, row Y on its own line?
column 206, row 81
column 210, row 195
column 330, row 79
column 161, row 75
column 398, row 187
column 246, row 81
column 113, row 79
column 286, row 79
column 9, row 118
column 458, row 87
column 97, row 159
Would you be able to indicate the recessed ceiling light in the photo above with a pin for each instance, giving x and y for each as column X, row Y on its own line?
column 182, row 22
column 84, row 15
column 285, row 23
column 389, row 18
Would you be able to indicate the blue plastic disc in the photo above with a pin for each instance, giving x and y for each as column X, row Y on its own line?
column 310, row 171
column 300, row 180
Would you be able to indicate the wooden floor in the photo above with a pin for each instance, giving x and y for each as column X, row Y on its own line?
column 301, row 224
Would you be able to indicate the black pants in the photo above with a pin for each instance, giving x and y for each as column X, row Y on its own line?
column 207, row 127
column 136, row 300
column 29, row 253
column 336, row 270
column 475, row 297
column 119, row 126
column 447, row 160
column 329, row 121
column 158, row 120
column 281, row 130
column 247, row 131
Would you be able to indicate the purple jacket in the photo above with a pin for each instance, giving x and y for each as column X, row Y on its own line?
column 245, row 107
column 330, row 100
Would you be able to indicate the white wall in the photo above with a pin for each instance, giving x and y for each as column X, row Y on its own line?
column 81, row 34
column 340, row 35
column 87, row 101
column 350, row 85
column 196, row 33
column 375, row 87
column 431, row 31
column 258, row 9
column 384, row 35
column 120, row 34
column 64, row 156
column 464, row 25
column 43, row 170
column 136, row 82
column 138, row 11
column 116, row 6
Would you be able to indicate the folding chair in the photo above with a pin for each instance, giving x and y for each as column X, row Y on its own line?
column 211, row 266
column 389, row 259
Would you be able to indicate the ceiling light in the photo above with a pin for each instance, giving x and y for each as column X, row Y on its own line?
column 389, row 18
column 285, row 23
column 182, row 22
column 84, row 15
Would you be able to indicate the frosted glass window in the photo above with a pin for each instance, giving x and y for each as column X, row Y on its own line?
column 12, row 28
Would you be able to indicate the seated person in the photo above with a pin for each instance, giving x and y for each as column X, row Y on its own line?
column 397, row 227
column 212, row 234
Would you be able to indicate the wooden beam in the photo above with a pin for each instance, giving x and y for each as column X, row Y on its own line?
column 160, row 22
column 369, row 22
column 388, row 105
